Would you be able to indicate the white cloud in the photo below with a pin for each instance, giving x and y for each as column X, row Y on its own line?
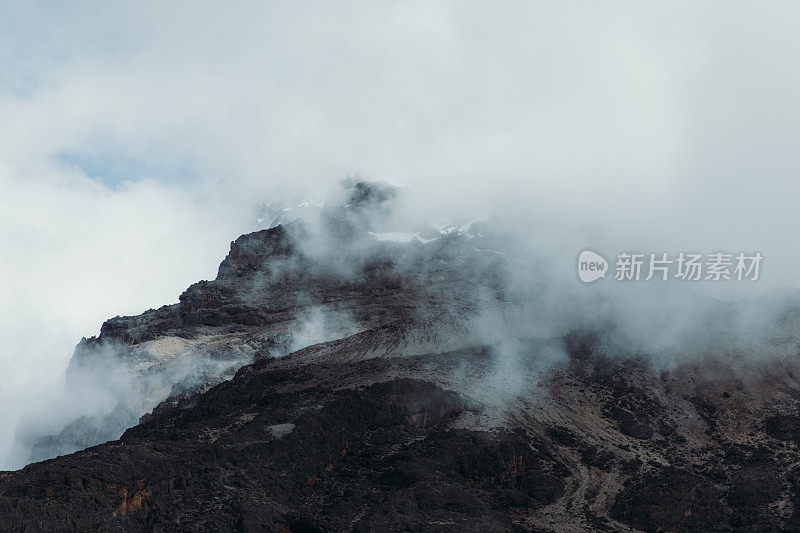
column 670, row 123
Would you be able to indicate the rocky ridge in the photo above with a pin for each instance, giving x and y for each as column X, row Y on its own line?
column 396, row 414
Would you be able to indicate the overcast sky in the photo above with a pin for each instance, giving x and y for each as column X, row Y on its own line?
column 135, row 139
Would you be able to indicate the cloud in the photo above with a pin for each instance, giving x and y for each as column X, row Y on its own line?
column 136, row 139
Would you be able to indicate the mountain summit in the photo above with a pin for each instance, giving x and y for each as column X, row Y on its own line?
column 328, row 379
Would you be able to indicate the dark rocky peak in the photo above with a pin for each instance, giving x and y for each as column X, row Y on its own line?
column 365, row 195
column 277, row 291
column 253, row 252
column 357, row 208
column 349, row 213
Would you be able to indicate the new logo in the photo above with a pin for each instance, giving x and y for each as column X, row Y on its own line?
column 591, row 266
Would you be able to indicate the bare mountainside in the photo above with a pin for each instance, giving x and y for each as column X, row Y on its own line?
column 363, row 385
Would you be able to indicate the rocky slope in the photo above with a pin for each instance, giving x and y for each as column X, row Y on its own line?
column 358, row 387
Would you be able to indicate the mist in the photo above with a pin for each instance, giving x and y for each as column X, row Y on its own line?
column 137, row 142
